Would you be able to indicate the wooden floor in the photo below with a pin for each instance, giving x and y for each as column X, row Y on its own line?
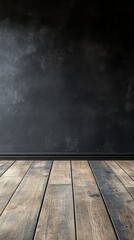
column 66, row 200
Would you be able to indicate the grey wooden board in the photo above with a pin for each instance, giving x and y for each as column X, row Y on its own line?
column 119, row 202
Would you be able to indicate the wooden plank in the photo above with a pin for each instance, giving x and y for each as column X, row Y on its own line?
column 41, row 168
column 8, row 184
column 123, row 176
column 92, row 220
column 4, row 165
column 57, row 216
column 118, row 201
column 61, row 173
column 128, row 167
column 19, row 219
column 18, row 169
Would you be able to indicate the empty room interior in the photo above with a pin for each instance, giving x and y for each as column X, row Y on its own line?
column 66, row 120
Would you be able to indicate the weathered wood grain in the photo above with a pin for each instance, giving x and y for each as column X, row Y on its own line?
column 123, row 176
column 72, row 207
column 8, row 184
column 61, row 173
column 17, row 169
column 92, row 220
column 119, row 202
column 4, row 165
column 128, row 167
column 57, row 215
column 18, row 221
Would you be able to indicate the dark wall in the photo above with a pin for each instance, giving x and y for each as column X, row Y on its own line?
column 66, row 76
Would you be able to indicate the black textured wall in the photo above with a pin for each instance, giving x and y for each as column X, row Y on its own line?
column 66, row 76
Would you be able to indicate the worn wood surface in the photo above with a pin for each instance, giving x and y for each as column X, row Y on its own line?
column 4, row 165
column 119, row 202
column 123, row 176
column 57, row 216
column 66, row 200
column 128, row 167
column 19, row 219
column 10, row 181
column 92, row 220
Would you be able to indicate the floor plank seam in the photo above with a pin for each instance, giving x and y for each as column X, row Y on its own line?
column 43, row 198
column 121, row 181
column 75, row 227
column 15, row 189
column 105, row 204
column 124, row 170
column 73, row 200
column 7, row 169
